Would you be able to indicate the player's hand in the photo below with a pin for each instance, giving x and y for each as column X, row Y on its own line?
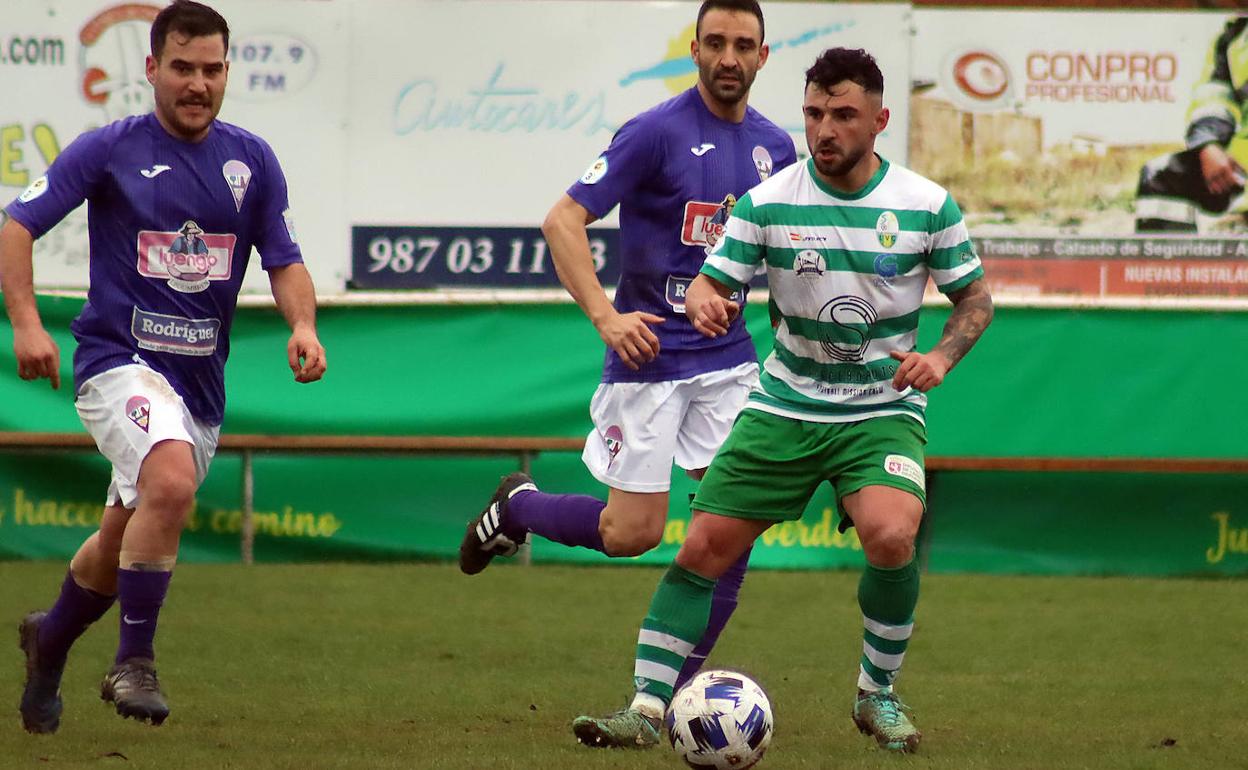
column 306, row 356
column 630, row 337
column 712, row 315
column 37, row 355
column 921, row 371
column 1222, row 174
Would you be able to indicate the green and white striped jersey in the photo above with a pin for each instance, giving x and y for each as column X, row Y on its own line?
column 847, row 273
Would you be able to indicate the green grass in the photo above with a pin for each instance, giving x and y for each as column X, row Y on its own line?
column 417, row 666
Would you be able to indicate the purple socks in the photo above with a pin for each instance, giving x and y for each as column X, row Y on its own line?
column 567, row 519
column 141, row 594
column 75, row 609
column 723, row 603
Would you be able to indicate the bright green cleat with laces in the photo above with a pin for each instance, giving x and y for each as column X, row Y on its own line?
column 882, row 715
column 625, row 729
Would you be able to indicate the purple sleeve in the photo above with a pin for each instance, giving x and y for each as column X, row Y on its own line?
column 632, row 157
column 275, row 237
column 71, row 179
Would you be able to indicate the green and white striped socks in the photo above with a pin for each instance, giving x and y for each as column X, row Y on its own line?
column 679, row 613
column 887, row 598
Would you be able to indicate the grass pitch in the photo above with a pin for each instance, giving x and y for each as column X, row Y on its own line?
column 417, row 666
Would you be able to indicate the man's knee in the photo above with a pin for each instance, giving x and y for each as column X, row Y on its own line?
column 169, row 495
column 891, row 545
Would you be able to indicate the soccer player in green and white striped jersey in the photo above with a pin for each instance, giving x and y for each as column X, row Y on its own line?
column 849, row 241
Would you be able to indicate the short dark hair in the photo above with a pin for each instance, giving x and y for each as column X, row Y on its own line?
column 853, row 64
column 745, row 6
column 188, row 18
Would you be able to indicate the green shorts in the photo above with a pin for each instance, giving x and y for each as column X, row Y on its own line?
column 770, row 465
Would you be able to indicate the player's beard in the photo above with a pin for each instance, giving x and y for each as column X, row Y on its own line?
column 726, row 92
column 840, row 166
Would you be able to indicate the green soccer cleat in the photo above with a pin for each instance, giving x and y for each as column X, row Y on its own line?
column 882, row 715
column 625, row 729
column 132, row 687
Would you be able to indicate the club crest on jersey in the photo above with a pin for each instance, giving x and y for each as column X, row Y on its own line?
column 809, row 263
column 614, row 441
column 762, row 162
column 886, row 229
column 848, row 321
column 139, row 411
column 238, row 177
column 704, row 222
column 190, row 258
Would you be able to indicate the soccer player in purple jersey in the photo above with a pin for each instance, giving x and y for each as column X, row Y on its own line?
column 668, row 393
column 178, row 200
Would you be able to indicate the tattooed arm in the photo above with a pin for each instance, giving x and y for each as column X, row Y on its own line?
column 972, row 312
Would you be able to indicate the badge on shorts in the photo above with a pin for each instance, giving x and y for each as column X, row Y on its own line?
column 614, row 439
column 139, row 410
column 900, row 465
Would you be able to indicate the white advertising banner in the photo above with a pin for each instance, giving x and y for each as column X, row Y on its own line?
column 67, row 66
column 1063, row 133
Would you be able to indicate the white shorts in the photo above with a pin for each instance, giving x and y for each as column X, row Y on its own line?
column 641, row 428
column 128, row 410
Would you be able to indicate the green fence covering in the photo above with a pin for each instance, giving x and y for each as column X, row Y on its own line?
column 1042, row 382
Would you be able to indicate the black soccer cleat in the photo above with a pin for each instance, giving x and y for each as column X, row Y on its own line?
column 133, row 688
column 487, row 533
column 41, row 698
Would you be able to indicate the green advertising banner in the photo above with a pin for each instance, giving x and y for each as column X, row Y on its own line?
column 1061, row 383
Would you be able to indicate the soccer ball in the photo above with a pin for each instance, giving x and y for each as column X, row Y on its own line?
column 721, row 719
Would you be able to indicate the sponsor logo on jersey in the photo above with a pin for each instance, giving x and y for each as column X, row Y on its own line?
column 614, row 441
column 886, row 229
column 190, row 258
column 799, row 238
column 155, row 171
column 810, row 263
column 37, row 188
column 885, row 269
column 678, row 287
column 238, row 176
column 852, row 318
column 704, row 222
column 900, row 465
column 596, row 171
column 703, row 149
column 174, row 334
column 762, row 162
column 139, row 411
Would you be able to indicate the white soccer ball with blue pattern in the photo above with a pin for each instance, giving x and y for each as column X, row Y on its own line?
column 720, row 719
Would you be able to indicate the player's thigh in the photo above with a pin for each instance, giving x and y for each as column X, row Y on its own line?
column 767, row 469
column 880, row 480
column 633, row 442
column 714, row 401
column 128, row 411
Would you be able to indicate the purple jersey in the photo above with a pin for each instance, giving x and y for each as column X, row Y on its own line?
column 171, row 227
column 676, row 170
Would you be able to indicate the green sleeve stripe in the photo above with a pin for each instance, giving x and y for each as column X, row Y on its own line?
column 951, row 257
column 721, row 276
column 948, row 216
